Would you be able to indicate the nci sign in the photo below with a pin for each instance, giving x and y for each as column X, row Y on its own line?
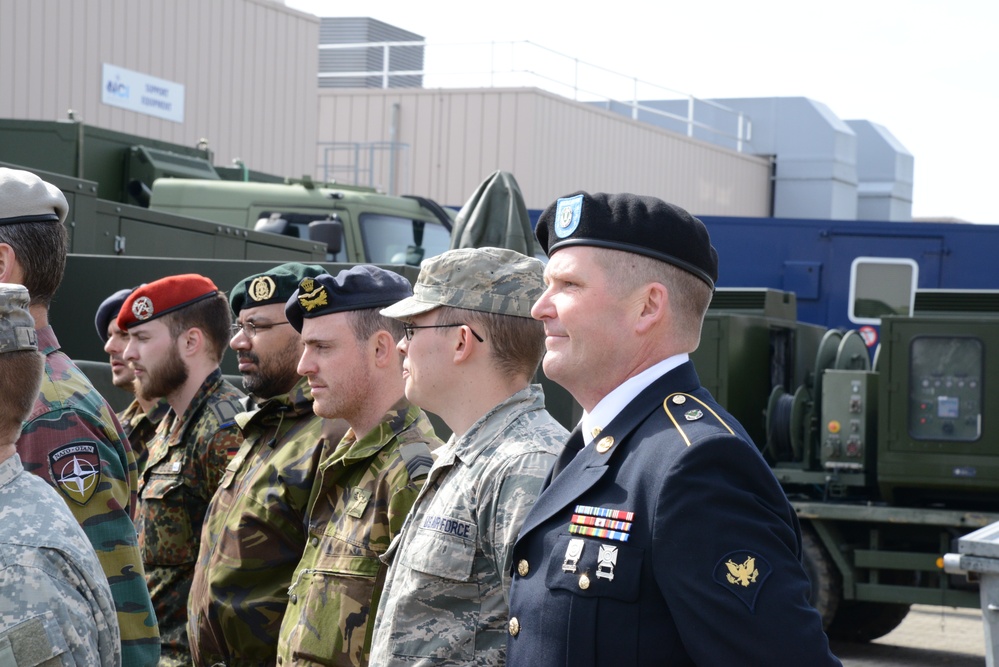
column 142, row 93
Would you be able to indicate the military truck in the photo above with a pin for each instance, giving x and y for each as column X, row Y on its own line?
column 886, row 460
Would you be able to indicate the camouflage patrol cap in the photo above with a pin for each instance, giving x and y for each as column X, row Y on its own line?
column 17, row 327
column 489, row 280
column 274, row 286
column 24, row 197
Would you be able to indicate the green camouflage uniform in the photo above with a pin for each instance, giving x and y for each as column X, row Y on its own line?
column 187, row 459
column 55, row 602
column 446, row 598
column 254, row 533
column 140, row 427
column 73, row 440
column 363, row 494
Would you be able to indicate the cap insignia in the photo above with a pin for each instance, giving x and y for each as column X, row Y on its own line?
column 142, row 308
column 262, row 288
column 310, row 299
column 568, row 212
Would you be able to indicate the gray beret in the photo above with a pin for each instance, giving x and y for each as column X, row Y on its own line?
column 17, row 327
column 26, row 198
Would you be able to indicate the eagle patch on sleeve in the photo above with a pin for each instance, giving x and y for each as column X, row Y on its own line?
column 742, row 573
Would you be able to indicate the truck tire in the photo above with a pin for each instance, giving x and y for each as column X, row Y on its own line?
column 860, row 622
column 826, row 583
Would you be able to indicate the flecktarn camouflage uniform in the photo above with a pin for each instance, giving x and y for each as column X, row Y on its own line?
column 359, row 503
column 140, row 427
column 55, row 602
column 446, row 597
column 187, row 459
column 73, row 440
column 254, row 534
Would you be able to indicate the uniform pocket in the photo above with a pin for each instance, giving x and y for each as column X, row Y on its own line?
column 595, row 568
column 443, row 547
column 165, row 533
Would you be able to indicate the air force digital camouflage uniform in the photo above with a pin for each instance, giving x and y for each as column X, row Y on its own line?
column 73, row 440
column 187, row 459
column 446, row 591
column 55, row 602
column 359, row 503
column 254, row 534
column 446, row 595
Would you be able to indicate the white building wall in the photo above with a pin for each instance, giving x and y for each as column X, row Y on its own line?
column 248, row 68
column 552, row 145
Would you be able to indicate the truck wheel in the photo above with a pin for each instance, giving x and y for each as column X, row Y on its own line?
column 863, row 621
column 827, row 585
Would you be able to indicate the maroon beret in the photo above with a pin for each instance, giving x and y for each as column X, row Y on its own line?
column 163, row 296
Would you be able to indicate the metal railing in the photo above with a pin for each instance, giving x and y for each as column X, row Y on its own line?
column 526, row 64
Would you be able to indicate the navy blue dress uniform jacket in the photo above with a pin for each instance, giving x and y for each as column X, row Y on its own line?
column 675, row 546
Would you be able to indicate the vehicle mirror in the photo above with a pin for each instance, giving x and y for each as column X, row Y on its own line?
column 329, row 232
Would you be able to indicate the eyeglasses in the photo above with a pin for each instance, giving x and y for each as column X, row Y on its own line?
column 410, row 328
column 250, row 329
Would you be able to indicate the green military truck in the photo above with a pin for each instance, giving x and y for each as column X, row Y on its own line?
column 887, row 461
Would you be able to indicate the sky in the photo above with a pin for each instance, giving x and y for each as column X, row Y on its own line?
column 927, row 70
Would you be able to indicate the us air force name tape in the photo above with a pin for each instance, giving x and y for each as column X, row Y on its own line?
column 274, row 286
column 24, row 197
column 164, row 296
column 489, row 280
column 357, row 288
column 632, row 223
column 17, row 327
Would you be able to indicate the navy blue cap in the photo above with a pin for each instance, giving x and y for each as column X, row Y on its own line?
column 108, row 310
column 357, row 288
column 632, row 223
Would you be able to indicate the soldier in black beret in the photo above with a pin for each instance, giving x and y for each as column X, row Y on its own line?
column 661, row 536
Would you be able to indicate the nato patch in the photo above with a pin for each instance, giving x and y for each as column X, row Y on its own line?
column 568, row 212
column 76, row 470
column 742, row 573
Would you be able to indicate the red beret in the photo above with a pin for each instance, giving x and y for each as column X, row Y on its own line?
column 164, row 296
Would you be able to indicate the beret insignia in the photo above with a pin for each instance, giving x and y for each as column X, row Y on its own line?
column 142, row 308
column 262, row 288
column 311, row 297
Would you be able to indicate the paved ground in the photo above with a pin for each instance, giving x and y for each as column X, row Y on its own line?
column 928, row 636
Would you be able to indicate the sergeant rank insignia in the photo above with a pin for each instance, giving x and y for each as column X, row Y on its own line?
column 601, row 522
column 742, row 573
column 310, row 296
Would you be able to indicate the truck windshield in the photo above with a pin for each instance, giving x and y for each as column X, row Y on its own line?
column 392, row 240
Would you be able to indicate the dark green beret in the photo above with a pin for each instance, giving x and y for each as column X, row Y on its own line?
column 274, row 286
column 632, row 223
column 357, row 288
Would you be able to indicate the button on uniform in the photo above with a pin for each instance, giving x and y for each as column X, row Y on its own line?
column 315, row 541
column 584, row 581
column 523, row 567
column 514, row 627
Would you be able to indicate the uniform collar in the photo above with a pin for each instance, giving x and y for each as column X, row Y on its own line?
column 399, row 417
column 295, row 403
column 494, row 423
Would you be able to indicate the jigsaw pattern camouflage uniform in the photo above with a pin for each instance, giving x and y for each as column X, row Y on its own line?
column 140, row 427
column 254, row 534
column 55, row 602
column 363, row 494
column 187, row 459
column 446, row 598
column 73, row 440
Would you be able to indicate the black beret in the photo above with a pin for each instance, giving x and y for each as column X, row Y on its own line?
column 357, row 288
column 108, row 310
column 642, row 225
column 274, row 286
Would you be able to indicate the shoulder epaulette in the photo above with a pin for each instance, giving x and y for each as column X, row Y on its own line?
column 417, row 457
column 225, row 411
column 689, row 413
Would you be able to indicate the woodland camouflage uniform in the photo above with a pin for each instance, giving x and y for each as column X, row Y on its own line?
column 363, row 494
column 187, row 459
column 254, row 534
